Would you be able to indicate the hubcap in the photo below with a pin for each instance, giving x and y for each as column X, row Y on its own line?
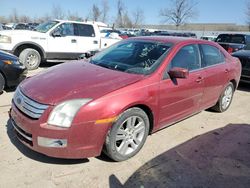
column 32, row 60
column 227, row 97
column 130, row 135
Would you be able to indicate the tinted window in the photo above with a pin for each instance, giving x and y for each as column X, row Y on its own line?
column 188, row 57
column 212, row 55
column 240, row 39
column 85, row 30
column 66, row 29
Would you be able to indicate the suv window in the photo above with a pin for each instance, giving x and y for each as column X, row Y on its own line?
column 187, row 57
column 66, row 29
column 211, row 55
column 239, row 39
column 85, row 30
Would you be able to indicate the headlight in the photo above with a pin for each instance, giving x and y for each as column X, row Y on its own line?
column 5, row 39
column 64, row 113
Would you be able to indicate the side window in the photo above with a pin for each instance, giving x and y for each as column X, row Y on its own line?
column 212, row 55
column 187, row 57
column 85, row 30
column 247, row 42
column 66, row 29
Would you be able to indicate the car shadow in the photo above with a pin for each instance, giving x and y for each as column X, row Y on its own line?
column 35, row 155
column 220, row 158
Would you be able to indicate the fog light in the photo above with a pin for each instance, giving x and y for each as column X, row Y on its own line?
column 52, row 143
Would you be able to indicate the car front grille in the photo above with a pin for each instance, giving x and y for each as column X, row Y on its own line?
column 28, row 106
column 21, row 134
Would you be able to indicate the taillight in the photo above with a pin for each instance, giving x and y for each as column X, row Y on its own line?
column 230, row 50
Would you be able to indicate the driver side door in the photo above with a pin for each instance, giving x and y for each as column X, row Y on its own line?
column 62, row 43
column 178, row 97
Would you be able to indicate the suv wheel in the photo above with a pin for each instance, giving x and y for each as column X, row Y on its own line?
column 30, row 58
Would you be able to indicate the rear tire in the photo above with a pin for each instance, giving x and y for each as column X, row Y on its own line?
column 225, row 99
column 127, row 135
column 30, row 58
column 2, row 83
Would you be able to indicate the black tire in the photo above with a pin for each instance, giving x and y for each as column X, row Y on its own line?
column 2, row 83
column 225, row 101
column 134, row 136
column 30, row 58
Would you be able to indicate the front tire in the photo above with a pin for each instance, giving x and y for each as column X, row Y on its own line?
column 225, row 99
column 2, row 83
column 30, row 58
column 127, row 135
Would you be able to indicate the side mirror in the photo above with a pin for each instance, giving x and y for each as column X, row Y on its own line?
column 56, row 33
column 178, row 72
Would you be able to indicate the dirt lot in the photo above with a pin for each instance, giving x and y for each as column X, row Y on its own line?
column 206, row 150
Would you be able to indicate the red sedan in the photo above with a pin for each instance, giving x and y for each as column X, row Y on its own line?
column 112, row 101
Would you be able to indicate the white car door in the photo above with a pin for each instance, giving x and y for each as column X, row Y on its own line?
column 62, row 42
column 87, row 39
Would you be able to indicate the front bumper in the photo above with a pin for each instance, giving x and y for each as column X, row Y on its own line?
column 82, row 141
column 15, row 74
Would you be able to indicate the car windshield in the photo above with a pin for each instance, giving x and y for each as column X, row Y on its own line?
column 44, row 27
column 138, row 57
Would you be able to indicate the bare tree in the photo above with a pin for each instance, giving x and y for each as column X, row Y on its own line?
column 57, row 12
column 24, row 19
column 104, row 10
column 14, row 16
column 120, row 13
column 138, row 17
column 247, row 12
column 180, row 12
column 96, row 13
column 73, row 16
column 127, row 23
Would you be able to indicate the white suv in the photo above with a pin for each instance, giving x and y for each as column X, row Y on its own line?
column 55, row 40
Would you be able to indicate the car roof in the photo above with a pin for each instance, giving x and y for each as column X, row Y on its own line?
column 167, row 39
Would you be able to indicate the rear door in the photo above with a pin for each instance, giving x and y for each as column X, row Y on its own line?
column 181, row 97
column 87, row 38
column 216, row 74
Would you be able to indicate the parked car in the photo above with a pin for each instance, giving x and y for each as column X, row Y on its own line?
column 55, row 40
column 112, row 101
column 20, row 26
column 209, row 37
column 234, row 42
column 244, row 56
column 11, row 71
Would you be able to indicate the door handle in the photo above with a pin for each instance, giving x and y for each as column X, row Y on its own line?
column 73, row 41
column 199, row 79
column 226, row 71
column 95, row 42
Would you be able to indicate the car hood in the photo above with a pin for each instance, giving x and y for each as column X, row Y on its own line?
column 73, row 80
column 21, row 32
column 7, row 56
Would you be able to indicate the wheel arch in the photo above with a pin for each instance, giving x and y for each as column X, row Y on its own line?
column 233, row 81
column 148, row 111
column 21, row 46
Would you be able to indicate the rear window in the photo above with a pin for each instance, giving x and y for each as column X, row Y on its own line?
column 85, row 30
column 239, row 39
column 211, row 55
